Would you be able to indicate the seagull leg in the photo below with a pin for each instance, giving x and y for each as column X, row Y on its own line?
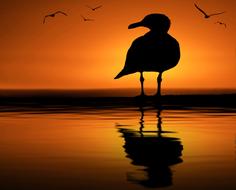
column 159, row 79
column 159, row 122
column 141, row 81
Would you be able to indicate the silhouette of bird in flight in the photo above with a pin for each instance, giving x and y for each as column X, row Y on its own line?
column 95, row 8
column 86, row 19
column 205, row 14
column 221, row 23
column 53, row 15
column 156, row 51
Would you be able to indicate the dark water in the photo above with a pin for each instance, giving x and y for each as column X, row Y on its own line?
column 116, row 146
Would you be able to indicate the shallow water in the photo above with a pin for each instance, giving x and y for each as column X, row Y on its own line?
column 133, row 148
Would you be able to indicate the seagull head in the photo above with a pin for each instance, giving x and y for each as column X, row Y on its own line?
column 156, row 22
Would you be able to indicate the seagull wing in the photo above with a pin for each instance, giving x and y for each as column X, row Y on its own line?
column 86, row 19
column 216, row 13
column 89, row 7
column 200, row 9
column 44, row 19
column 97, row 7
column 83, row 17
column 61, row 13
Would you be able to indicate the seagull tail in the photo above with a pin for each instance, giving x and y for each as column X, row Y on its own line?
column 120, row 74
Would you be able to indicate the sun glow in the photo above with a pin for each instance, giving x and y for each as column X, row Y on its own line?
column 67, row 52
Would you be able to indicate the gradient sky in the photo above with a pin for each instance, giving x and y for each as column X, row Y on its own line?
column 67, row 52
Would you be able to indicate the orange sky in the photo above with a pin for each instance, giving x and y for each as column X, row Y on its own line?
column 67, row 52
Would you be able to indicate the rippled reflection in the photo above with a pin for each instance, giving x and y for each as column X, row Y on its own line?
column 153, row 151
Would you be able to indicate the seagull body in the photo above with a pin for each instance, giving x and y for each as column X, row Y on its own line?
column 156, row 51
column 221, row 23
column 53, row 15
column 151, row 53
column 205, row 14
column 86, row 19
column 95, row 8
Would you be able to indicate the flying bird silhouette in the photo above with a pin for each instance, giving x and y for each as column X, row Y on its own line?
column 156, row 51
column 95, row 8
column 221, row 23
column 205, row 14
column 53, row 15
column 86, row 19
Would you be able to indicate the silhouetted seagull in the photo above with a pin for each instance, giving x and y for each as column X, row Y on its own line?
column 86, row 19
column 53, row 15
column 221, row 23
column 95, row 8
column 156, row 51
column 205, row 14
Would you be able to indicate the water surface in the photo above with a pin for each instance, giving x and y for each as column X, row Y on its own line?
column 118, row 148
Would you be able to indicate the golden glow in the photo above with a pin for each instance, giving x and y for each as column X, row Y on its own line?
column 67, row 52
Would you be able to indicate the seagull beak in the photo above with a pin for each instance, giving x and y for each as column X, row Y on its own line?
column 134, row 25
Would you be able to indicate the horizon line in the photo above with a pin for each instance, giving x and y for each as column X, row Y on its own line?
column 118, row 88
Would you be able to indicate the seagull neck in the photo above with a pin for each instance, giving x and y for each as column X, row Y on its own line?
column 156, row 33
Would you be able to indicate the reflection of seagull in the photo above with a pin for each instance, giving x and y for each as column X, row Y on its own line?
column 53, row 15
column 95, row 8
column 86, row 19
column 152, row 154
column 156, row 51
column 205, row 14
column 221, row 23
